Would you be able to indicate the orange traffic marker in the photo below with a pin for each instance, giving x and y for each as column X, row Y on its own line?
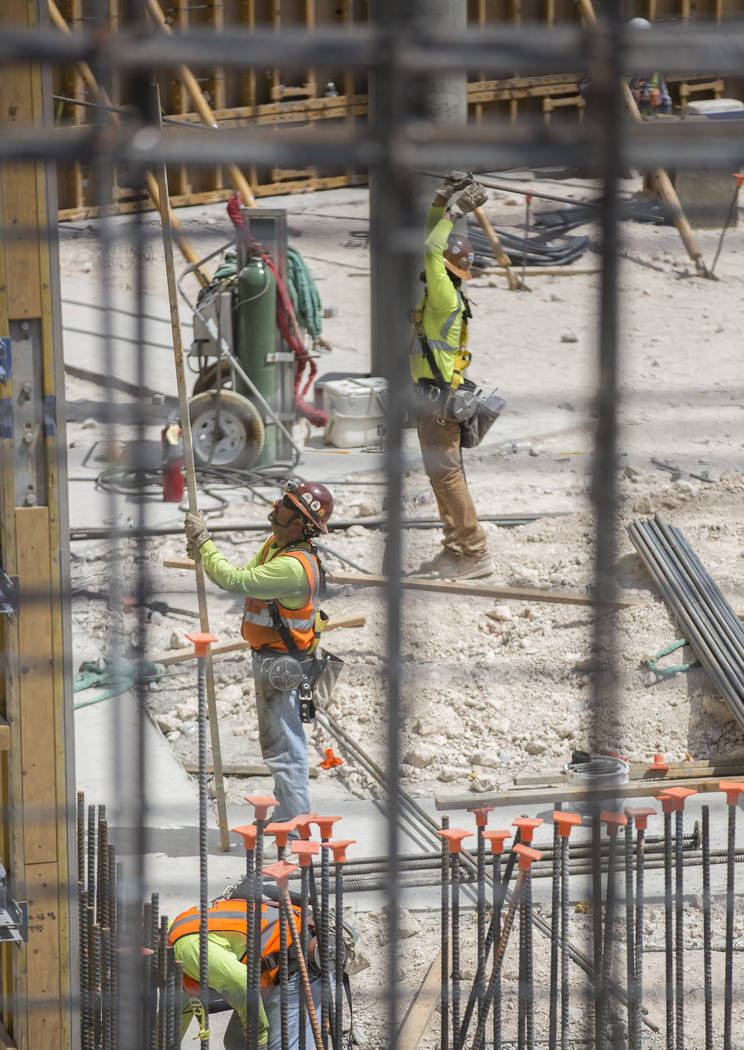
column 330, row 760
column 527, row 826
column 261, row 804
column 565, row 822
column 497, row 838
column 454, row 838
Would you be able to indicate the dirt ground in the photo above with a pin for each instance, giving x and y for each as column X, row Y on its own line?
column 494, row 688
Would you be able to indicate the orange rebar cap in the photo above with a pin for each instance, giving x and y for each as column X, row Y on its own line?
column 281, row 831
column 305, row 851
column 527, row 826
column 261, row 804
column 497, row 839
column 526, row 855
column 248, row 833
column 302, row 824
column 481, row 815
column 658, row 765
column 325, row 824
column 330, row 759
column 454, row 837
column 613, row 820
column 202, row 640
column 339, row 849
column 565, row 822
column 280, row 872
column 673, row 800
column 640, row 815
column 733, row 789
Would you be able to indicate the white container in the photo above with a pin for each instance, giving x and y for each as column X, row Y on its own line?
column 705, row 107
column 601, row 771
column 356, row 412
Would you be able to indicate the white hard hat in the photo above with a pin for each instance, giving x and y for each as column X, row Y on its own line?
column 639, row 23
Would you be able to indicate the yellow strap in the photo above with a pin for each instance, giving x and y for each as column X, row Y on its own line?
column 197, row 1008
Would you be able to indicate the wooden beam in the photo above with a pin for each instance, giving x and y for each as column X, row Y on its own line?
column 177, row 656
column 571, row 795
column 414, row 583
column 422, row 1008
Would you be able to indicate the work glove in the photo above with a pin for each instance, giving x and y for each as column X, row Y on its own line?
column 470, row 199
column 197, row 533
column 456, row 180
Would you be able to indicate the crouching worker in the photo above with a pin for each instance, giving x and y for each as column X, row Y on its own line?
column 228, row 974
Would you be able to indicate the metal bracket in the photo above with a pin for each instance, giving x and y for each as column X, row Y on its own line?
column 8, row 597
column 13, row 914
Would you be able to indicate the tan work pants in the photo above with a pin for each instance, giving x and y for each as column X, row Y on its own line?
column 440, row 447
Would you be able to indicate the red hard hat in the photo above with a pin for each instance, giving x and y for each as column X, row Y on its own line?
column 458, row 256
column 312, row 500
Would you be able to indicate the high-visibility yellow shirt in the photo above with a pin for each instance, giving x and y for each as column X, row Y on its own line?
column 282, row 578
column 441, row 307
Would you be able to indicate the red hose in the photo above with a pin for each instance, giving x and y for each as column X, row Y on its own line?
column 286, row 322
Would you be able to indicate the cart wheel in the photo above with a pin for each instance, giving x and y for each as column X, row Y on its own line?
column 226, row 431
column 207, row 379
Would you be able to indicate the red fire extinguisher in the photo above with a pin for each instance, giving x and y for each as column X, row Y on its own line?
column 171, row 438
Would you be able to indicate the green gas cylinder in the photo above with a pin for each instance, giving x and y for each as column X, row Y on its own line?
column 255, row 330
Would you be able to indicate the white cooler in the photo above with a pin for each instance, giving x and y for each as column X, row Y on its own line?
column 355, row 410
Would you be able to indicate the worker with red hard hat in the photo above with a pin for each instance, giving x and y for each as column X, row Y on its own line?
column 282, row 584
column 438, row 358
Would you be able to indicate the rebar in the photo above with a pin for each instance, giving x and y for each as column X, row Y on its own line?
column 455, row 892
column 203, row 847
column 608, row 938
column 284, row 918
column 498, row 958
column 339, row 954
column 170, row 992
column 481, row 911
column 565, row 894
column 679, row 946
column 444, row 927
column 324, row 936
column 668, row 933
column 598, row 989
column 177, row 1004
column 84, row 968
column 629, row 930
column 707, row 961
column 304, row 947
column 91, row 886
column 254, row 965
column 555, row 924
column 497, row 900
column 728, row 998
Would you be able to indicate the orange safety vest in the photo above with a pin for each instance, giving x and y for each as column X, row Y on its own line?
column 231, row 916
column 258, row 627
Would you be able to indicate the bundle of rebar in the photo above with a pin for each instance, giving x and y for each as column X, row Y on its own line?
column 101, row 943
column 710, row 624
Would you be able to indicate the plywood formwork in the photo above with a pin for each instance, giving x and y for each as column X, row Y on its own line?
column 297, row 98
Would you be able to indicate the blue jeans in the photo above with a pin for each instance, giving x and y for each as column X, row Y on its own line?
column 281, row 735
column 272, row 1006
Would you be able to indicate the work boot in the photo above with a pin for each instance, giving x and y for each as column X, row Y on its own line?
column 450, row 566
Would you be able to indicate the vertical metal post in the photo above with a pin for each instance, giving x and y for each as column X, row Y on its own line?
column 444, row 926
column 707, row 939
column 668, row 930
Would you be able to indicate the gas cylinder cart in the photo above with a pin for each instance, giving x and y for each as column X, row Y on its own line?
column 256, row 337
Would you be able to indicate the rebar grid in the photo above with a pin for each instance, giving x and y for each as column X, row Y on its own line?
column 397, row 53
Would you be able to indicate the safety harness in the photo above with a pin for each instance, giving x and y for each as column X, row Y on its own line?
column 462, row 355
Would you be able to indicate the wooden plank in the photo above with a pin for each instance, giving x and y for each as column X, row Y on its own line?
column 517, row 594
column 4, row 735
column 640, row 771
column 37, row 691
column 422, row 1008
column 244, row 769
column 569, row 795
column 177, row 656
column 42, row 956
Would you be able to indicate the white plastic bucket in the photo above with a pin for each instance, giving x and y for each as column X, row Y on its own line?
column 599, row 772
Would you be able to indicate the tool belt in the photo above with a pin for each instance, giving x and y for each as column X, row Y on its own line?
column 453, row 406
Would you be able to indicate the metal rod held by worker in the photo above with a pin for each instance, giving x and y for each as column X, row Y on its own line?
column 305, row 981
column 188, row 460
